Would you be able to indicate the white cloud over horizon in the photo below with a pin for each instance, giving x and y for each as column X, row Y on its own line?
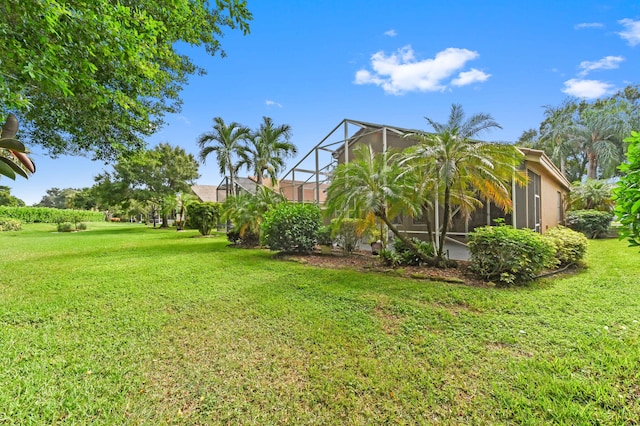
column 272, row 103
column 587, row 89
column 391, row 33
column 606, row 63
column 401, row 72
column 585, row 25
column 631, row 32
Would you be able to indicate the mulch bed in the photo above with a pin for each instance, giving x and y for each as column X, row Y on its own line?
column 366, row 262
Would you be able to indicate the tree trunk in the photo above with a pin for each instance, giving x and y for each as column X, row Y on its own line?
column 445, row 224
column 592, row 166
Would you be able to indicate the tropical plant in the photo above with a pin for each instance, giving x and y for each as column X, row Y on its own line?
column 268, row 149
column 465, row 170
column 246, row 211
column 227, row 142
column 591, row 194
column 373, row 185
column 627, row 193
column 203, row 216
column 13, row 158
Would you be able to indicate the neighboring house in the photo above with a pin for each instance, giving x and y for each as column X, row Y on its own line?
column 538, row 206
column 205, row 193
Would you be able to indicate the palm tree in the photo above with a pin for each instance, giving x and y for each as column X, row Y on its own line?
column 226, row 141
column 373, row 185
column 268, row 149
column 466, row 170
column 591, row 194
column 599, row 133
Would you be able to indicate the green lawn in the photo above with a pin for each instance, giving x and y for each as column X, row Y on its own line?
column 123, row 324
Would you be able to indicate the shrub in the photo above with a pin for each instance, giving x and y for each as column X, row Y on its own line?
column 403, row 255
column 65, row 227
column 291, row 227
column 508, row 256
column 203, row 216
column 592, row 223
column 348, row 234
column 571, row 246
column 8, row 224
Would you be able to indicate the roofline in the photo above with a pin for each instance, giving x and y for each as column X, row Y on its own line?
column 541, row 157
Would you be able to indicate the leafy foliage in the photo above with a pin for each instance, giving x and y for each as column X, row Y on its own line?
column 154, row 177
column 324, row 236
column 291, row 227
column 13, row 158
column 508, row 256
column 348, row 234
column 246, row 212
column 98, row 76
column 571, row 246
column 49, row 215
column 403, row 255
column 8, row 224
column 627, row 192
column 203, row 216
column 592, row 223
column 7, row 199
column 591, row 194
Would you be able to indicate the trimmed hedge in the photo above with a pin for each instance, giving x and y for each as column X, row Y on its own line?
column 50, row 215
column 509, row 256
column 592, row 223
column 291, row 227
column 571, row 246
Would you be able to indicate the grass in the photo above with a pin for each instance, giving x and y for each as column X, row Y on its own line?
column 123, row 324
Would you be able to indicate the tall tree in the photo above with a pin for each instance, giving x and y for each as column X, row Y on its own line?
column 98, row 76
column 227, row 143
column 153, row 176
column 7, row 199
column 373, row 185
column 466, row 171
column 268, row 149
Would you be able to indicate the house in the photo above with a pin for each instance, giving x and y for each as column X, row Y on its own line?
column 539, row 205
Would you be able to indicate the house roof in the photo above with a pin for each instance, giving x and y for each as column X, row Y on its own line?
column 205, row 192
column 538, row 156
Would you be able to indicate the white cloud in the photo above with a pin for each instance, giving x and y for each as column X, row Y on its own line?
column 470, row 77
column 272, row 103
column 606, row 63
column 184, row 119
column 400, row 72
column 632, row 31
column 391, row 33
column 588, row 25
column 587, row 89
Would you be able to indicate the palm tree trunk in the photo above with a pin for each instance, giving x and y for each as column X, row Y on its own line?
column 592, row 166
column 445, row 223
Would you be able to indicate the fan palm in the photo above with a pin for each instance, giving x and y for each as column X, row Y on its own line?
column 226, row 141
column 268, row 149
column 466, row 170
column 373, row 185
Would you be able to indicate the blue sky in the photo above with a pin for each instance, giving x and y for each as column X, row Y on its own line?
column 310, row 64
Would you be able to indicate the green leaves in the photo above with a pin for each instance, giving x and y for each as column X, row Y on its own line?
column 627, row 193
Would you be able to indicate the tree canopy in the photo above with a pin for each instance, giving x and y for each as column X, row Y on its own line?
column 98, row 76
column 627, row 193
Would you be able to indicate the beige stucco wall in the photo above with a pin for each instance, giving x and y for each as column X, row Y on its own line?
column 549, row 189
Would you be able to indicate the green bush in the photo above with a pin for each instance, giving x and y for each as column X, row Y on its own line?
column 348, row 234
column 571, row 246
column 324, row 236
column 8, row 224
column 592, row 223
column 65, row 227
column 50, row 215
column 291, row 227
column 508, row 256
column 403, row 255
column 203, row 216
